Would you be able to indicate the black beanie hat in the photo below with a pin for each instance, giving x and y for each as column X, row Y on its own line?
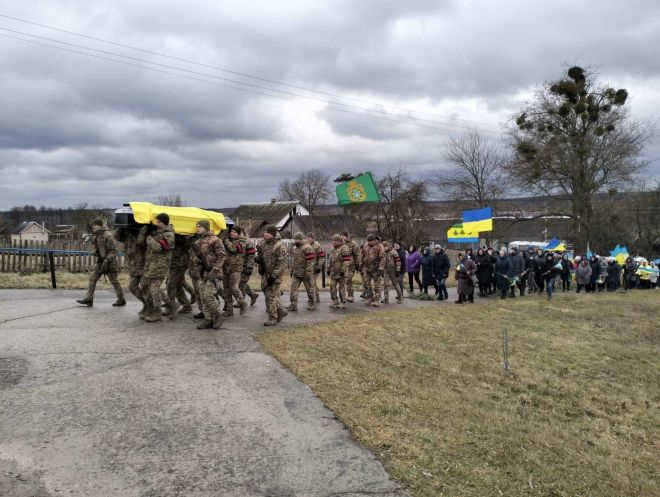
column 163, row 218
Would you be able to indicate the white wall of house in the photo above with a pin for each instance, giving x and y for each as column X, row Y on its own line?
column 34, row 232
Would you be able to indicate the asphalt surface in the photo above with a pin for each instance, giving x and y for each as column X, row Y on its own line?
column 95, row 402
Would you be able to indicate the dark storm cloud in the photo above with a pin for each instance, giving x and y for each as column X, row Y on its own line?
column 78, row 128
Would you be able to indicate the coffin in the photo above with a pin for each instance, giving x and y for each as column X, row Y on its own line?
column 136, row 214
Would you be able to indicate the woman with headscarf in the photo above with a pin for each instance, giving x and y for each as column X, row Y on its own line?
column 630, row 274
column 595, row 271
column 565, row 273
column 427, row 271
column 504, row 272
column 465, row 270
column 583, row 275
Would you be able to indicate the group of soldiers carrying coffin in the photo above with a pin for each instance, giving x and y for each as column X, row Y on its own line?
column 221, row 266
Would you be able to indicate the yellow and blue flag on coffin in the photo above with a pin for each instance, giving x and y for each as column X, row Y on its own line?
column 458, row 234
column 183, row 219
column 478, row 220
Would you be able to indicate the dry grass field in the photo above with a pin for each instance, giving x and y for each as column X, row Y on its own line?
column 577, row 415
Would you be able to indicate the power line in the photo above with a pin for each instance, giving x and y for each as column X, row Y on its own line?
column 282, row 97
column 245, row 75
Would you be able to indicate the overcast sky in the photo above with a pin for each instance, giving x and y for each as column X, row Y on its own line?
column 75, row 128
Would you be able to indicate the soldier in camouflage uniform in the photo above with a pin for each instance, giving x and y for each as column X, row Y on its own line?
column 105, row 249
column 374, row 264
column 340, row 261
column 160, row 245
column 364, row 249
column 178, row 266
column 272, row 265
column 354, row 266
column 303, row 259
column 392, row 270
column 235, row 248
column 318, row 267
column 195, row 273
column 210, row 252
column 248, row 269
column 135, row 247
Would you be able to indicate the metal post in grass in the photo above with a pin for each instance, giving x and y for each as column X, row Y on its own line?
column 51, row 263
column 505, row 349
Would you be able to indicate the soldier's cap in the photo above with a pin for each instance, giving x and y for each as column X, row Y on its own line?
column 237, row 229
column 345, row 233
column 298, row 236
column 163, row 218
column 378, row 238
column 98, row 222
column 336, row 237
column 204, row 223
column 269, row 228
column 310, row 235
column 370, row 238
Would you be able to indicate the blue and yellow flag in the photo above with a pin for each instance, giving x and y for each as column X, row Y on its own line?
column 478, row 220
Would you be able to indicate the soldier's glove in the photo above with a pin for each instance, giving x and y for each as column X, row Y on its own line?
column 318, row 271
column 341, row 274
column 270, row 280
column 104, row 266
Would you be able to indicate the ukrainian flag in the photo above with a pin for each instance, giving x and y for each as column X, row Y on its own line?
column 478, row 220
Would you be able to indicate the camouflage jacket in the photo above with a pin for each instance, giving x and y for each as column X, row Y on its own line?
column 303, row 260
column 194, row 264
column 375, row 258
column 135, row 248
column 320, row 255
column 235, row 254
column 250, row 253
column 181, row 253
column 160, row 245
column 209, row 250
column 340, row 261
column 356, row 256
column 364, row 251
column 392, row 261
column 273, row 253
column 105, row 248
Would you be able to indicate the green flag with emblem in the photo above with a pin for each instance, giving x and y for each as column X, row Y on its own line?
column 357, row 190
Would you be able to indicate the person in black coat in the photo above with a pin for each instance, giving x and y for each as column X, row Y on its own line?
column 493, row 278
column 484, row 271
column 524, row 277
column 538, row 262
column 518, row 264
column 504, row 272
column 441, row 267
column 548, row 269
column 565, row 273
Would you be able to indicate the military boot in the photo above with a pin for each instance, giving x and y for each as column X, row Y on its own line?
column 244, row 308
column 311, row 307
column 143, row 312
column 121, row 301
column 86, row 301
column 281, row 314
column 341, row 305
column 199, row 315
column 349, row 299
column 152, row 318
column 375, row 303
column 207, row 324
column 172, row 310
column 271, row 322
column 253, row 298
column 186, row 309
column 293, row 307
column 333, row 305
column 386, row 300
column 228, row 313
column 217, row 321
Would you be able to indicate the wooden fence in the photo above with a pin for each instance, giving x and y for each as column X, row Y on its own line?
column 31, row 256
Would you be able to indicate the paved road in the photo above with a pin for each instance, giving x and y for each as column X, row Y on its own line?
column 95, row 402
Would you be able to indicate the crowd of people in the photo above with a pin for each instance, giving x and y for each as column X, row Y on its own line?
column 506, row 272
column 220, row 267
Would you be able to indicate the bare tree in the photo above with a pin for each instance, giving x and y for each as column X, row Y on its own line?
column 171, row 200
column 574, row 141
column 402, row 210
column 476, row 174
column 311, row 188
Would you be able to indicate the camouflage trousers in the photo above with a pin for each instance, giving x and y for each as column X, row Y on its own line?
column 337, row 285
column 195, row 288
column 392, row 277
column 175, row 282
column 315, row 278
column 375, row 277
column 230, row 288
column 272, row 295
column 309, row 287
column 349, row 283
column 96, row 276
column 208, row 302
column 366, row 288
column 244, row 286
column 134, row 286
column 150, row 288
